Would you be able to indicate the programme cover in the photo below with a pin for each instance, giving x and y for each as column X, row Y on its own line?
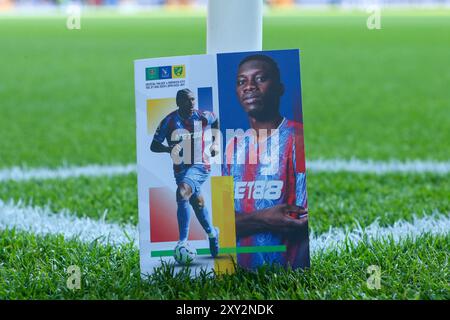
column 221, row 165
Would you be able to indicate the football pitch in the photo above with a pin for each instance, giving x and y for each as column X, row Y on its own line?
column 376, row 106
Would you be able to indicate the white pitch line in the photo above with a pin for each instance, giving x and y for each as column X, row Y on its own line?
column 333, row 165
column 66, row 172
column 378, row 167
column 42, row 221
column 336, row 238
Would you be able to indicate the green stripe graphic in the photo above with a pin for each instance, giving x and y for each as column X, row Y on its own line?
column 229, row 250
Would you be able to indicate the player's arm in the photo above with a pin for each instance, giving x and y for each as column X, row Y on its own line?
column 159, row 137
column 215, row 147
column 277, row 219
column 158, row 147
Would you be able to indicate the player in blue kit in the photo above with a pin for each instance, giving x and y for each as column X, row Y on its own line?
column 183, row 129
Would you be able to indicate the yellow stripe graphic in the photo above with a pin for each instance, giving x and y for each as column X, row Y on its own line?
column 224, row 218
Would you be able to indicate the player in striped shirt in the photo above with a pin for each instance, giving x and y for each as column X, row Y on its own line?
column 183, row 129
column 267, row 164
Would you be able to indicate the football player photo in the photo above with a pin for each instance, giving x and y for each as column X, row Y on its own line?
column 180, row 129
column 220, row 162
column 267, row 164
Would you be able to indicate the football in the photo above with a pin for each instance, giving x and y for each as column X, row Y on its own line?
column 184, row 254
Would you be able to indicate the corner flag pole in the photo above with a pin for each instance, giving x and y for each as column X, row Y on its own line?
column 234, row 25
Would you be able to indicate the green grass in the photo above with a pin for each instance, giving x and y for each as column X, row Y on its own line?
column 67, row 97
column 335, row 199
column 35, row 268
column 88, row 197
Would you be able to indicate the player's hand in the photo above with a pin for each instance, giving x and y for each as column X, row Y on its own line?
column 175, row 151
column 214, row 149
column 280, row 219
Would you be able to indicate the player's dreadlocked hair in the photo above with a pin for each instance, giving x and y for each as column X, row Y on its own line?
column 183, row 93
column 259, row 57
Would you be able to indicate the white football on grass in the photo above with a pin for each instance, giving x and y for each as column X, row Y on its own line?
column 184, row 253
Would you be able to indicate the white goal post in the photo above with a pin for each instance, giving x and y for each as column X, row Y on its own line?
column 234, row 25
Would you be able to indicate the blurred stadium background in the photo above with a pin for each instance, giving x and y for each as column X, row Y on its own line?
column 43, row 5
